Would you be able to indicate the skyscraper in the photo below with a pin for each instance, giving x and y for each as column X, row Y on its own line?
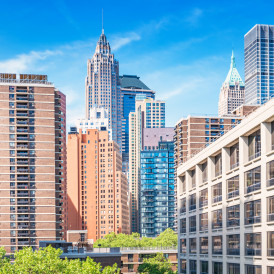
column 102, row 86
column 157, row 201
column 97, row 188
column 149, row 113
column 232, row 91
column 131, row 86
column 259, row 64
column 33, row 161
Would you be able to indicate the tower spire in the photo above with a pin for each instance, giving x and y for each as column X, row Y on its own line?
column 102, row 20
column 233, row 64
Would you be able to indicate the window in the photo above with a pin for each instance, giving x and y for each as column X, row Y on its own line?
column 233, row 244
column 233, row 269
column 217, row 245
column 183, row 205
column 192, row 267
column 233, row 187
column 253, row 244
column 217, row 268
column 204, row 245
column 203, row 201
column 270, row 209
column 193, row 178
column 253, row 212
column 217, row 193
column 218, row 165
column 183, row 266
column 270, row 243
column 233, row 216
column 217, row 219
column 254, row 145
column 192, row 245
column 204, row 172
column 203, row 221
column 183, row 246
column 192, row 202
column 253, row 180
column 272, row 134
column 192, row 224
column 183, row 225
column 270, row 270
column 270, row 173
column 253, row 269
column 204, row 267
column 234, row 156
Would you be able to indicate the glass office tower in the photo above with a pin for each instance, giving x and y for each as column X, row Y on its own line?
column 259, row 64
column 157, row 189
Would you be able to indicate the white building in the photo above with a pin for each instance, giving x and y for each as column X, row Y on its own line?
column 226, row 210
column 102, row 86
column 232, row 91
column 98, row 120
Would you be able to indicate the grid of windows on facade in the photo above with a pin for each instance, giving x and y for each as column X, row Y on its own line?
column 222, row 207
column 157, row 190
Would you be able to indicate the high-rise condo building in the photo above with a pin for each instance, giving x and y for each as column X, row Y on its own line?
column 157, row 181
column 149, row 113
column 33, row 161
column 259, row 64
column 131, row 86
column 232, row 91
column 102, row 86
column 226, row 198
column 97, row 188
column 193, row 133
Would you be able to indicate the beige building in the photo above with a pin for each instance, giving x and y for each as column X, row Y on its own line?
column 225, row 201
column 150, row 113
column 97, row 188
column 232, row 93
column 32, row 161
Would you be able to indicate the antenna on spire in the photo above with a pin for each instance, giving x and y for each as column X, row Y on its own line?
column 102, row 20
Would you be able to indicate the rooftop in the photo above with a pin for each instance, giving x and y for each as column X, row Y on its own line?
column 24, row 79
column 132, row 82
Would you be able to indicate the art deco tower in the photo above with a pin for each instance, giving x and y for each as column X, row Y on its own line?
column 102, row 86
column 232, row 91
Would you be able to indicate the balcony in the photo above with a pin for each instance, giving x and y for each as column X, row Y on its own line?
column 23, row 242
column 22, row 202
column 252, row 251
column 233, row 194
column 22, row 90
column 22, row 154
column 233, row 251
column 22, row 122
column 22, row 162
column 22, row 106
column 253, row 188
column 254, row 156
column 22, row 130
column 22, row 138
column 21, row 114
column 22, row 98
column 21, row 146
column 22, row 194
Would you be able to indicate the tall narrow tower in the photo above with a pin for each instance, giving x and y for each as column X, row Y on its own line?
column 232, row 91
column 102, row 86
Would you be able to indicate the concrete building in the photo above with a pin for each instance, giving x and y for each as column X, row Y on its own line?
column 132, row 257
column 98, row 119
column 259, row 64
column 33, row 203
column 131, row 86
column 225, row 195
column 157, row 201
column 232, row 91
column 192, row 134
column 149, row 113
column 102, row 86
column 97, row 188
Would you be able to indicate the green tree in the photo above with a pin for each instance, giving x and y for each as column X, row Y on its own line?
column 47, row 260
column 156, row 265
column 166, row 238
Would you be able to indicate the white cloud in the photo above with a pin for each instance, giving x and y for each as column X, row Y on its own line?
column 120, row 41
column 23, row 63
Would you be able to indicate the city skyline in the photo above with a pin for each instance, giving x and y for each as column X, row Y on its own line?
column 164, row 45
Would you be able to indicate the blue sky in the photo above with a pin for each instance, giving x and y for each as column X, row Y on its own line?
column 180, row 49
